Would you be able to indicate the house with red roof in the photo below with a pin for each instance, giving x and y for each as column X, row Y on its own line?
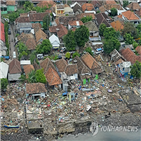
column 2, row 41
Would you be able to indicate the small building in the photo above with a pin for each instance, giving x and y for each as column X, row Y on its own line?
column 59, row 10
column 76, row 8
column 74, row 24
column 11, row 5
column 117, row 25
column 125, row 68
column 88, row 7
column 138, row 49
column 68, row 11
column 23, row 27
column 54, row 40
column 3, row 70
column 25, row 62
column 3, row 8
column 15, row 71
column 83, row 71
column 93, row 31
column 72, row 71
column 92, row 64
column 81, row 15
column 35, row 90
column 53, row 78
column 134, row 6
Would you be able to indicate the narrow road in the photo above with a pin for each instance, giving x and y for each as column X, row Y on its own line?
column 11, row 41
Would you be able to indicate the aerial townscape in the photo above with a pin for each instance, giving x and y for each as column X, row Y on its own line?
column 66, row 64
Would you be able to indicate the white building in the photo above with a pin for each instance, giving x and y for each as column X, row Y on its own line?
column 54, row 40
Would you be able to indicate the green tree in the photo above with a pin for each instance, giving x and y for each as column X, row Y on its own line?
column 69, row 40
column 40, row 77
column 45, row 47
column 128, row 39
column 1, row 59
column 86, row 19
column 67, row 55
column 28, row 5
column 139, row 27
column 46, row 22
column 136, row 70
column 140, row 42
column 32, row 57
column 22, row 50
column 113, row 11
column 135, row 44
column 109, row 33
column 32, row 77
column 130, row 29
column 75, row 54
column 125, row 3
column 89, row 50
column 102, row 28
column 81, row 35
column 23, row 78
column 110, row 45
column 4, row 83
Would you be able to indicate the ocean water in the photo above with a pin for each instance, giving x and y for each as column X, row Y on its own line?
column 105, row 136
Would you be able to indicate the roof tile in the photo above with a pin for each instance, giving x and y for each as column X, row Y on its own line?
column 14, row 67
column 40, row 35
column 130, row 15
column 87, row 7
column 52, row 77
column 71, row 69
column 35, row 88
column 28, row 69
column 138, row 49
column 117, row 25
column 74, row 23
column 61, row 65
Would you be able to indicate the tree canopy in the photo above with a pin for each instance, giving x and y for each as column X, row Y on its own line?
column 102, row 29
column 128, row 39
column 28, row 5
column 67, row 55
column 36, row 76
column 89, row 50
column 4, row 83
column 70, row 42
column 45, row 47
column 113, row 11
column 75, row 54
column 22, row 50
column 81, row 35
column 46, row 22
column 136, row 70
column 125, row 3
column 110, row 45
column 130, row 29
column 86, row 19
column 109, row 33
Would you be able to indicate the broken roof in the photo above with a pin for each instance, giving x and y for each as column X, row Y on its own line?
column 14, row 67
column 75, row 23
column 52, row 77
column 80, row 16
column 35, row 88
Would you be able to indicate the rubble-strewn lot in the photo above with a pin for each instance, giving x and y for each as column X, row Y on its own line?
column 111, row 102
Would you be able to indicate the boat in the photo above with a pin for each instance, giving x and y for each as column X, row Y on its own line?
column 9, row 126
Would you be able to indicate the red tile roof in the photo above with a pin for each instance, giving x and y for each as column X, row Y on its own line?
column 14, row 67
column 59, row 29
column 46, row 3
column 46, row 64
column 53, row 77
column 129, row 55
column 138, row 49
column 74, row 23
column 87, row 7
column 28, row 69
column 35, row 88
column 61, row 65
column 117, row 25
column 130, row 15
column 10, row 2
column 40, row 35
column 71, row 69
column 110, row 2
column 2, row 37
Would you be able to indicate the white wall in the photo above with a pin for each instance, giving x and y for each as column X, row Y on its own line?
column 75, row 75
column 120, row 11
